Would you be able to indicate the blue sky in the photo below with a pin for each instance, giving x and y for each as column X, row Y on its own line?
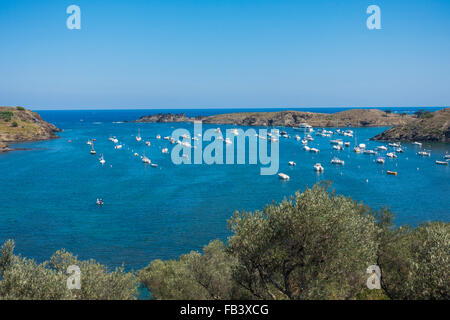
column 218, row 54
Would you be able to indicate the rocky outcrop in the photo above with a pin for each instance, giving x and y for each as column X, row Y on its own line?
column 18, row 124
column 432, row 127
column 168, row 117
column 355, row 118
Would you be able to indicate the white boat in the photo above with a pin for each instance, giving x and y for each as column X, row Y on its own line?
column 447, row 156
column 147, row 143
column 424, row 153
column 165, row 150
column 119, row 146
column 395, row 145
column 146, row 160
column 89, row 142
column 292, row 163
column 347, row 144
column 158, row 136
column 304, row 127
column 283, row 176
column 318, row 167
column 380, row 160
column 138, row 137
column 382, row 148
column 443, row 163
column 362, row 146
column 370, row 152
column 309, row 138
column 115, row 140
column 399, row 150
column 337, row 161
column 136, row 154
column 304, row 141
column 391, row 155
column 306, row 148
column 338, row 147
column 417, row 143
column 92, row 149
column 228, row 141
column 297, row 137
column 357, row 149
column 102, row 160
column 314, row 150
column 338, row 142
column 154, row 165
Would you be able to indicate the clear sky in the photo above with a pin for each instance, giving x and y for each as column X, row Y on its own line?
column 229, row 53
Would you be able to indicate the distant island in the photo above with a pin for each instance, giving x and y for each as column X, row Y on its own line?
column 354, row 118
column 421, row 126
column 18, row 124
column 427, row 126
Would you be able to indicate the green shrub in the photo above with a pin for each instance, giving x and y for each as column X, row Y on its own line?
column 14, row 124
column 6, row 115
column 20, row 108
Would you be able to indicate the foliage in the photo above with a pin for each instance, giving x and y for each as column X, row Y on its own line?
column 25, row 279
column 415, row 262
column 194, row 276
column 20, row 108
column 315, row 246
column 6, row 115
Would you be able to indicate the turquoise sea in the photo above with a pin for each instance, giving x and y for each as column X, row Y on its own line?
column 48, row 193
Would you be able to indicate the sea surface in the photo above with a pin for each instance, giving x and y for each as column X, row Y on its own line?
column 48, row 193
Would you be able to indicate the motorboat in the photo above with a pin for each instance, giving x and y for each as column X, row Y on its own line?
column 158, row 136
column 357, row 149
column 395, row 145
column 380, row 160
column 391, row 155
column 304, row 127
column 424, row 153
column 417, row 143
column 146, row 160
column 119, row 146
column 165, row 150
column 147, row 143
column 392, row 173
column 314, row 150
column 318, row 167
column 337, row 161
column 347, row 144
column 138, row 137
column 443, row 163
column 102, row 160
column 292, row 163
column 338, row 147
column 99, row 202
column 283, row 176
column 382, row 148
column 306, row 148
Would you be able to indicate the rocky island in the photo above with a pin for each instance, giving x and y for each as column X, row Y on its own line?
column 426, row 126
column 18, row 124
column 354, row 117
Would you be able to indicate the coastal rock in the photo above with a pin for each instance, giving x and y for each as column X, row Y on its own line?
column 431, row 127
column 168, row 117
column 354, row 118
column 18, row 124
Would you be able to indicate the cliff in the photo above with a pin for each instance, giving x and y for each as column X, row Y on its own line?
column 18, row 124
column 432, row 127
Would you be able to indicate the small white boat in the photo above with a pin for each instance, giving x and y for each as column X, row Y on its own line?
column 158, row 136
column 102, row 160
column 337, row 161
column 283, row 176
column 391, row 155
column 304, row 141
column 138, row 137
column 292, row 163
column 147, row 143
column 136, row 154
column 380, row 160
column 89, row 142
column 357, row 149
column 424, row 153
column 297, row 137
column 115, row 140
column 154, row 165
column 447, row 156
column 443, row 163
column 382, row 148
column 370, row 152
column 146, row 160
column 314, row 150
column 99, row 202
column 119, row 146
column 165, row 150
column 399, row 150
column 318, row 167
column 306, row 148
column 417, row 143
column 362, row 146
column 338, row 147
column 92, row 149
column 395, row 145
column 338, row 142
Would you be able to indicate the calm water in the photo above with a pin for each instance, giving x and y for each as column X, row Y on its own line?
column 48, row 194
